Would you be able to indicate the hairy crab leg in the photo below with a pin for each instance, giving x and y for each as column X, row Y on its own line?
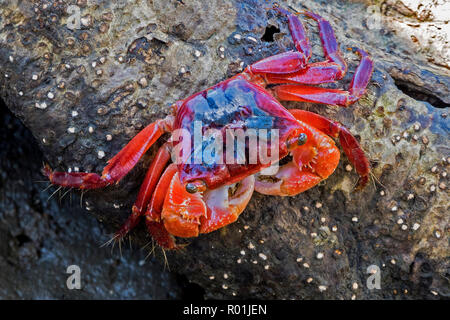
column 348, row 142
column 119, row 165
column 312, row 162
column 163, row 238
column 145, row 192
column 343, row 98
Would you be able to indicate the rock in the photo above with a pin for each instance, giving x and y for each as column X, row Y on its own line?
column 424, row 24
column 41, row 239
column 116, row 75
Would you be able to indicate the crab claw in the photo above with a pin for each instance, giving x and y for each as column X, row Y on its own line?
column 182, row 210
column 225, row 204
column 187, row 214
column 311, row 163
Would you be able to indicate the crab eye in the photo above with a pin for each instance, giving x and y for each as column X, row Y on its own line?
column 302, row 139
column 196, row 186
column 191, row 188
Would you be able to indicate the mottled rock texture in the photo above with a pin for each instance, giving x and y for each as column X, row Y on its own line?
column 129, row 61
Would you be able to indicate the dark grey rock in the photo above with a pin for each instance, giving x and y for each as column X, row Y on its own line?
column 42, row 236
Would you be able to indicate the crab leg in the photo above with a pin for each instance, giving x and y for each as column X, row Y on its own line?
column 331, row 96
column 348, row 142
column 146, row 190
column 329, row 43
column 155, row 206
column 291, row 61
column 298, row 34
column 282, row 63
column 153, row 213
column 333, row 68
column 292, row 67
column 313, row 73
column 119, row 165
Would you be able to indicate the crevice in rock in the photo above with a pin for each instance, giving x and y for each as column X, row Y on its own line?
column 270, row 32
column 23, row 238
column 420, row 94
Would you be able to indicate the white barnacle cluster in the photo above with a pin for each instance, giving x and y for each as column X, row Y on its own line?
column 41, row 105
column 263, row 256
column 222, row 52
column 322, row 288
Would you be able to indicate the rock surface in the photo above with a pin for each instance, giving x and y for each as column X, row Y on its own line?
column 424, row 24
column 40, row 238
column 85, row 92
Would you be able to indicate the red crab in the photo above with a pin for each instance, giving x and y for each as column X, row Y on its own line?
column 186, row 199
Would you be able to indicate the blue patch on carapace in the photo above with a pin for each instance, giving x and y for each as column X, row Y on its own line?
column 217, row 108
column 234, row 104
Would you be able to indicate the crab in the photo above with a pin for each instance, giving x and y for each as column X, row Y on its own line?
column 185, row 198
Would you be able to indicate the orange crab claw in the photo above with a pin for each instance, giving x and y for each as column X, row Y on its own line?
column 182, row 210
column 311, row 163
column 187, row 214
column 226, row 203
column 288, row 181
